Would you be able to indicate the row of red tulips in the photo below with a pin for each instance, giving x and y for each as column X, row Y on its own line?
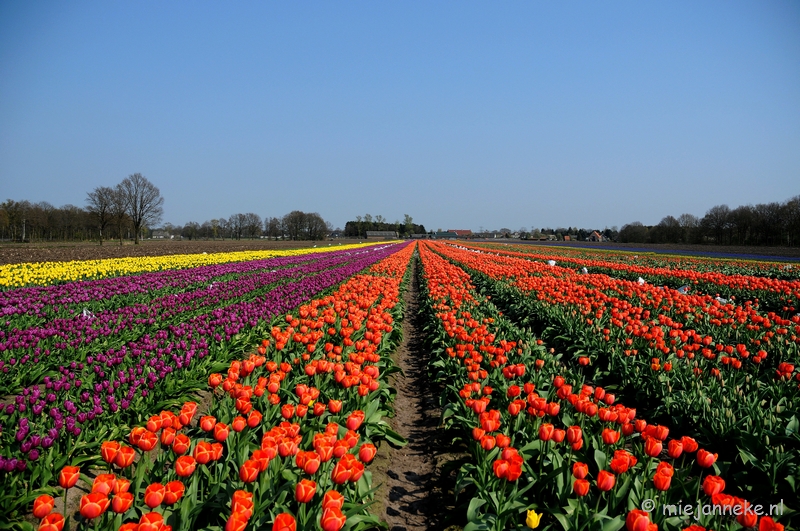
column 579, row 458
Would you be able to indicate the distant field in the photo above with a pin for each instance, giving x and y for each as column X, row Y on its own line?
column 61, row 252
column 715, row 251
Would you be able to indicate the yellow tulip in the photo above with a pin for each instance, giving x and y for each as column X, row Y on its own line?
column 533, row 519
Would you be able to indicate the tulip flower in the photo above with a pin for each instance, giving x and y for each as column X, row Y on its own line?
column 637, row 520
column 68, row 476
column 581, row 487
column 713, row 485
column 124, row 457
column 332, row 499
column 43, row 505
column 304, row 491
column 93, row 505
column 332, row 519
column 580, row 470
column 104, row 483
column 108, row 451
column 652, row 447
column 151, row 522
column 185, row 465
column 533, row 519
column 122, row 502
column 154, row 495
column 173, row 491
column 354, row 420
column 367, row 452
column 284, row 522
column 705, row 459
column 52, row 522
column 248, row 472
column 606, row 480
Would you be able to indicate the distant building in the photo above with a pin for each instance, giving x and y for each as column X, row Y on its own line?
column 461, row 233
column 385, row 234
column 446, row 235
column 422, row 236
column 160, row 235
column 595, row 237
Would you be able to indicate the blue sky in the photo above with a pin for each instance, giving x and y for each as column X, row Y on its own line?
column 461, row 114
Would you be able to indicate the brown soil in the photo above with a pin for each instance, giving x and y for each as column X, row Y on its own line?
column 417, row 496
column 16, row 253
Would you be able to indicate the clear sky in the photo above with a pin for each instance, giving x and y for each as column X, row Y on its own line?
column 462, row 114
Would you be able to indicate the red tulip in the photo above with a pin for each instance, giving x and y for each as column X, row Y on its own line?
column 335, row 406
column 203, row 452
column 768, row 524
column 689, row 444
column 238, row 424
column 185, row 465
column 147, row 441
column 580, row 470
column 341, row 473
column 355, row 419
column 662, row 481
column 249, row 471
column 69, row 476
column 332, row 499
column 581, row 487
column 713, row 485
column 122, row 485
column 637, row 520
column 122, row 502
column 54, row 522
column 93, row 505
column 652, row 447
column 674, row 448
column 606, row 480
column 236, row 522
column 108, row 451
column 43, row 505
column 558, row 435
column 546, row 432
column 574, row 434
column 151, row 522
column 104, row 483
column 610, row 436
column 154, row 495
column 367, row 452
column 332, row 519
column 173, row 491
column 705, row 459
column 284, row 522
column 168, row 436
column 221, row 431
column 305, row 490
column 181, row 444
column 254, row 418
column 125, row 456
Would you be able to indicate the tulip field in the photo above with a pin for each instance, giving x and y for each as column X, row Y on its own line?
column 582, row 390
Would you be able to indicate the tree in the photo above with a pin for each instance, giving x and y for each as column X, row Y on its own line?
column 252, row 225
column 716, row 222
column 143, row 201
column 119, row 210
column 633, row 233
column 99, row 203
column 408, row 222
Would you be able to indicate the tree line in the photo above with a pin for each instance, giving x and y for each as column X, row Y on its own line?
column 769, row 224
column 131, row 209
column 359, row 227
column 295, row 225
column 121, row 211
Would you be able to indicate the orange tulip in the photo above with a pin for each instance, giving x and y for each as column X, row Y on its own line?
column 207, row 423
column 173, row 492
column 122, row 485
column 221, row 431
column 151, row 522
column 108, row 451
column 122, row 502
column 124, row 457
column 52, row 522
column 238, row 424
column 332, row 499
column 181, row 444
column 154, row 495
column 305, row 490
column 185, row 465
column 43, row 505
column 69, row 476
column 104, row 483
column 284, row 522
column 93, row 505
column 367, row 452
column 332, row 519
column 249, row 471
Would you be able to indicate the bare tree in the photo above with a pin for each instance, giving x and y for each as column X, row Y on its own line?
column 252, row 225
column 144, row 202
column 119, row 210
column 99, row 203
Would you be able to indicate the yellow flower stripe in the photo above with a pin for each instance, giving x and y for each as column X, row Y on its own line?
column 46, row 273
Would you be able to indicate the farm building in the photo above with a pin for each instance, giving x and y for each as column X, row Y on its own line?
column 385, row 234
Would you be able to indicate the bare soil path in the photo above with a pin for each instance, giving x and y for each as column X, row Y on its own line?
column 417, row 496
